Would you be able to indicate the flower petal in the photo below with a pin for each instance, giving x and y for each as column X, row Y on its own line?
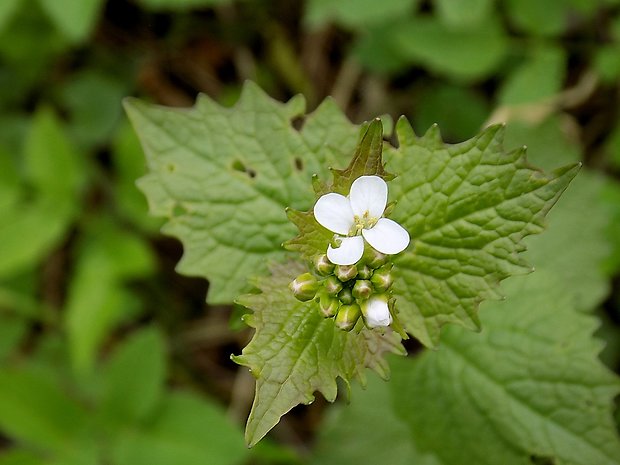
column 387, row 236
column 368, row 194
column 376, row 312
column 333, row 211
column 349, row 252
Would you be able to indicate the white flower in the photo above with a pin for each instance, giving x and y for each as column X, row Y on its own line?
column 376, row 312
column 360, row 213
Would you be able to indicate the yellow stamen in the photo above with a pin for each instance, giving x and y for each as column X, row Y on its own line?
column 365, row 222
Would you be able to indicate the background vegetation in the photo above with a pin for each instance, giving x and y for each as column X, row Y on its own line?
column 107, row 356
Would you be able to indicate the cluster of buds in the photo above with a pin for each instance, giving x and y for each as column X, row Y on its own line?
column 349, row 292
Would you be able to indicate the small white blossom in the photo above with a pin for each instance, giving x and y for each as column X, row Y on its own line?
column 357, row 217
column 376, row 312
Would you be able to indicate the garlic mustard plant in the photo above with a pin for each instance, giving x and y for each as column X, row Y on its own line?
column 357, row 217
column 352, row 282
column 352, row 244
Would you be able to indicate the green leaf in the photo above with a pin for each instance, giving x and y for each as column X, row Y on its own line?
column 545, row 67
column 356, row 14
column 465, row 54
column 18, row 296
column 296, row 351
column 367, row 160
column 269, row 452
column 7, row 9
column 367, row 431
column 97, row 299
column 74, row 19
column 223, row 177
column 588, row 7
column 535, row 335
column 52, row 164
column 312, row 239
column 460, row 13
column 18, row 456
column 460, row 111
column 133, row 379
column 33, row 225
column 180, row 4
column 467, row 207
column 607, row 62
column 612, row 146
column 93, row 99
column 9, row 182
column 187, row 430
column 567, row 227
column 378, row 54
column 549, row 143
column 611, row 199
column 547, row 18
column 26, row 235
column 35, row 411
column 12, row 329
column 129, row 256
column 29, row 46
column 529, row 385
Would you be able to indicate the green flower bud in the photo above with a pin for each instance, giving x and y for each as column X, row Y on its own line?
column 304, row 287
column 345, row 272
column 362, row 289
column 375, row 259
column 323, row 266
column 328, row 305
column 346, row 296
column 382, row 278
column 364, row 272
column 332, row 285
column 347, row 316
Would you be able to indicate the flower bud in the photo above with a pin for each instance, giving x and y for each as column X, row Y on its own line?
column 362, row 289
column 382, row 278
column 377, row 312
column 375, row 259
column 364, row 272
column 345, row 272
column 332, row 285
column 328, row 305
column 323, row 266
column 346, row 296
column 347, row 316
column 304, row 287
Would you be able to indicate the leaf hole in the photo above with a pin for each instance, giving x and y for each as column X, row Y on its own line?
column 298, row 122
column 178, row 210
column 238, row 165
column 299, row 164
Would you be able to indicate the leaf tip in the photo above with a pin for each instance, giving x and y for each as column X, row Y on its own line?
column 130, row 105
column 433, row 136
column 128, row 101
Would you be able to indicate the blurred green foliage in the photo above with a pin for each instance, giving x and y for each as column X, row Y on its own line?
column 108, row 357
